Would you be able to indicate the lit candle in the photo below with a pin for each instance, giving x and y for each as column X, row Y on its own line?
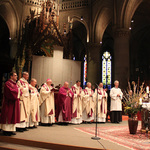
column 147, row 89
column 140, row 101
column 68, row 18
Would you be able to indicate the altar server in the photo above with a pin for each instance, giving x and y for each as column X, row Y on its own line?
column 116, row 103
column 88, row 104
column 10, row 113
column 47, row 105
column 77, row 103
column 34, row 105
column 102, row 104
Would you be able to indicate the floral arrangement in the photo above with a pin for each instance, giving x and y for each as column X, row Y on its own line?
column 132, row 99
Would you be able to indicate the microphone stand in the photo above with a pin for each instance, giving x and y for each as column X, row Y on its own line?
column 96, row 137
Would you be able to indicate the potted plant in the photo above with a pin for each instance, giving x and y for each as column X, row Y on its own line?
column 132, row 100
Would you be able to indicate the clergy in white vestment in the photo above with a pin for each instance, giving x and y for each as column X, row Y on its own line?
column 77, row 103
column 24, row 103
column 116, row 103
column 34, row 105
column 47, row 106
column 102, row 104
column 88, row 104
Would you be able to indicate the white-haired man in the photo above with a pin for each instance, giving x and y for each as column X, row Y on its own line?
column 116, row 103
column 88, row 104
column 47, row 103
column 24, row 103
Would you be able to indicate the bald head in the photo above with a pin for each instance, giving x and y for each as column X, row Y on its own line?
column 66, row 84
column 33, row 82
column 25, row 75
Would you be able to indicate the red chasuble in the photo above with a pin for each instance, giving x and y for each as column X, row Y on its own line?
column 64, row 103
column 10, row 108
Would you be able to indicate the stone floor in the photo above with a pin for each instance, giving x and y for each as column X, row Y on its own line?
column 65, row 135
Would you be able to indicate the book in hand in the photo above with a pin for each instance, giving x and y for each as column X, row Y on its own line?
column 54, row 90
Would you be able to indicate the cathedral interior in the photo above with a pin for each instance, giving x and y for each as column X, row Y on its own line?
column 114, row 33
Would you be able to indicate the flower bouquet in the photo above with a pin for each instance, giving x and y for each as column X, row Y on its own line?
column 132, row 101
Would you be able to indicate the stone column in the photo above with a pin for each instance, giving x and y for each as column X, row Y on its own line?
column 13, row 48
column 121, row 56
column 93, row 72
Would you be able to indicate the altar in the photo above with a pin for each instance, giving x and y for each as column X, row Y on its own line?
column 145, row 116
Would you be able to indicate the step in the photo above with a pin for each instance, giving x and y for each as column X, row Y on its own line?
column 38, row 144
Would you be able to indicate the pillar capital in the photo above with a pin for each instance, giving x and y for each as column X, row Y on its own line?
column 94, row 45
column 121, row 32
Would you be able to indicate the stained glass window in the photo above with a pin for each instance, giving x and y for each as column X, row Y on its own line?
column 106, row 69
column 85, row 71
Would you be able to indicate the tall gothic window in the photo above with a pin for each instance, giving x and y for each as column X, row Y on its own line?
column 106, row 69
column 85, row 71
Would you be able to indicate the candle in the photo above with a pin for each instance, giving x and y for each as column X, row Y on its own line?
column 140, row 101
column 68, row 18
column 147, row 89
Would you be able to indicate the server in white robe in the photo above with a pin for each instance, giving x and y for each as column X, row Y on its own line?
column 34, row 105
column 47, row 106
column 116, row 103
column 77, row 103
column 88, row 104
column 24, row 103
column 102, row 104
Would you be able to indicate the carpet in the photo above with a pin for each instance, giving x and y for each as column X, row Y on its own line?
column 120, row 135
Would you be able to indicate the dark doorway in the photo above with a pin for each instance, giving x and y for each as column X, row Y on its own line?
column 6, row 63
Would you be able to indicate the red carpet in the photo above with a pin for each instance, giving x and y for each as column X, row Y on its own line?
column 120, row 135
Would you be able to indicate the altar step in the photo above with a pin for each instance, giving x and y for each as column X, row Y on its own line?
column 7, row 146
column 12, row 143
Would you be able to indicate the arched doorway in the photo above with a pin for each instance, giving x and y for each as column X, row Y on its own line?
column 79, row 44
column 6, row 63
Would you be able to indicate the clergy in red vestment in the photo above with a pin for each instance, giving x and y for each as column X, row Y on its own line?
column 65, row 97
column 10, row 114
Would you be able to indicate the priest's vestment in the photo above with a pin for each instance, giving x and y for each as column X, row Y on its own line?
column 88, row 105
column 24, row 103
column 102, row 105
column 10, row 113
column 77, row 105
column 65, row 98
column 34, row 107
column 47, row 105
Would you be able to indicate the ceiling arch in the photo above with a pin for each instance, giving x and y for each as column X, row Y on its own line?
column 11, row 17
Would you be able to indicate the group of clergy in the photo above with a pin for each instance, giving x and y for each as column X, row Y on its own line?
column 24, row 107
